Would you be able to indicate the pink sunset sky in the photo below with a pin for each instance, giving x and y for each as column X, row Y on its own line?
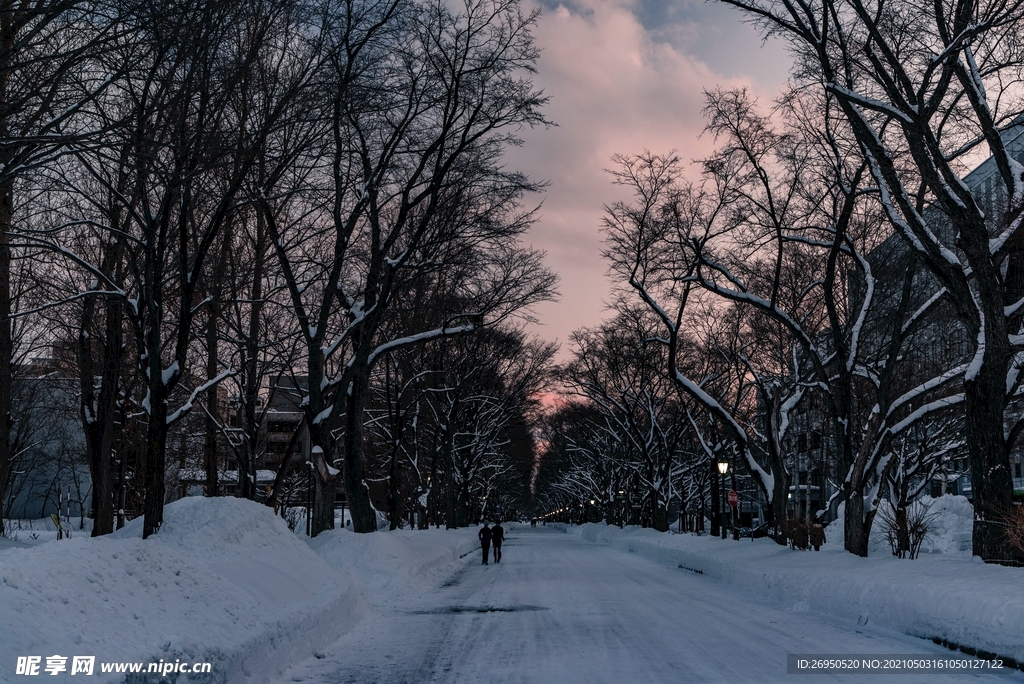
column 623, row 76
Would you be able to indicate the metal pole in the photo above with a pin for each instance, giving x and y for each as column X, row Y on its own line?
column 723, row 504
column 309, row 499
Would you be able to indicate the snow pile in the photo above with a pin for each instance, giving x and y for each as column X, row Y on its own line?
column 374, row 561
column 950, row 528
column 224, row 581
column 956, row 598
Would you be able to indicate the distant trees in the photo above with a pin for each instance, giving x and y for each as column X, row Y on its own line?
column 449, row 426
column 620, row 371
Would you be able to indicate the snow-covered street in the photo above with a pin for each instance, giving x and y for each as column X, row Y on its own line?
column 562, row 609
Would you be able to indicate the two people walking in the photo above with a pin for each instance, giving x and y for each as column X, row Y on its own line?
column 491, row 535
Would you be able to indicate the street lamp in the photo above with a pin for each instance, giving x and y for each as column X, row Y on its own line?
column 723, row 468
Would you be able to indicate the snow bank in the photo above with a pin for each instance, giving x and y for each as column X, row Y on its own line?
column 951, row 527
column 224, row 581
column 957, row 599
column 374, row 561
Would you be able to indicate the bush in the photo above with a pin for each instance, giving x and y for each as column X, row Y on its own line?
column 906, row 529
column 1015, row 531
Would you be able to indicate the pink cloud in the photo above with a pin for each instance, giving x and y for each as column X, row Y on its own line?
column 615, row 87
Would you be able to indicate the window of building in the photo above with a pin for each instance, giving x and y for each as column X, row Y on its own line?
column 815, row 440
column 1018, row 476
column 801, row 443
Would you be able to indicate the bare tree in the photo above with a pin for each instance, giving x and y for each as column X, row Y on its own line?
column 188, row 144
column 422, row 101
column 49, row 82
column 938, row 82
column 782, row 226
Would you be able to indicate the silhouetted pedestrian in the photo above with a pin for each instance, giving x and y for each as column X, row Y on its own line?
column 798, row 533
column 497, row 537
column 817, row 536
column 484, row 535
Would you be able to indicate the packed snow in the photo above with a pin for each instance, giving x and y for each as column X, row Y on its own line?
column 224, row 581
column 957, row 598
column 560, row 609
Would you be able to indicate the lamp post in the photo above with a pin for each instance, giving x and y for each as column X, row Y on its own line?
column 723, row 468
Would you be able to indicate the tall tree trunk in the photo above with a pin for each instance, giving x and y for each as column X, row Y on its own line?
column 6, row 339
column 252, row 351
column 364, row 519
column 856, row 538
column 393, row 514
column 776, row 511
column 156, row 460
column 210, row 441
column 99, row 407
column 450, row 521
column 324, row 493
column 991, row 482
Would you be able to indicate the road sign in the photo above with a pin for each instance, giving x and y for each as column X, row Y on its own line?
column 734, row 498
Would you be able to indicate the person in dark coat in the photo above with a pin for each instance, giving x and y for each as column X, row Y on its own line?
column 817, row 536
column 484, row 535
column 799, row 535
column 497, row 537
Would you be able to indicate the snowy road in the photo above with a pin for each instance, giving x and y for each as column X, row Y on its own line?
column 559, row 609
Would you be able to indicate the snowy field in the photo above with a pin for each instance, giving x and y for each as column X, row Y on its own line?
column 226, row 582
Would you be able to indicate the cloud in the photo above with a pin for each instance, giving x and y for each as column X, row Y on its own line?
column 623, row 76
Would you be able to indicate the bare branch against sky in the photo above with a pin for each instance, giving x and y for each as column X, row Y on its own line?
column 623, row 76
